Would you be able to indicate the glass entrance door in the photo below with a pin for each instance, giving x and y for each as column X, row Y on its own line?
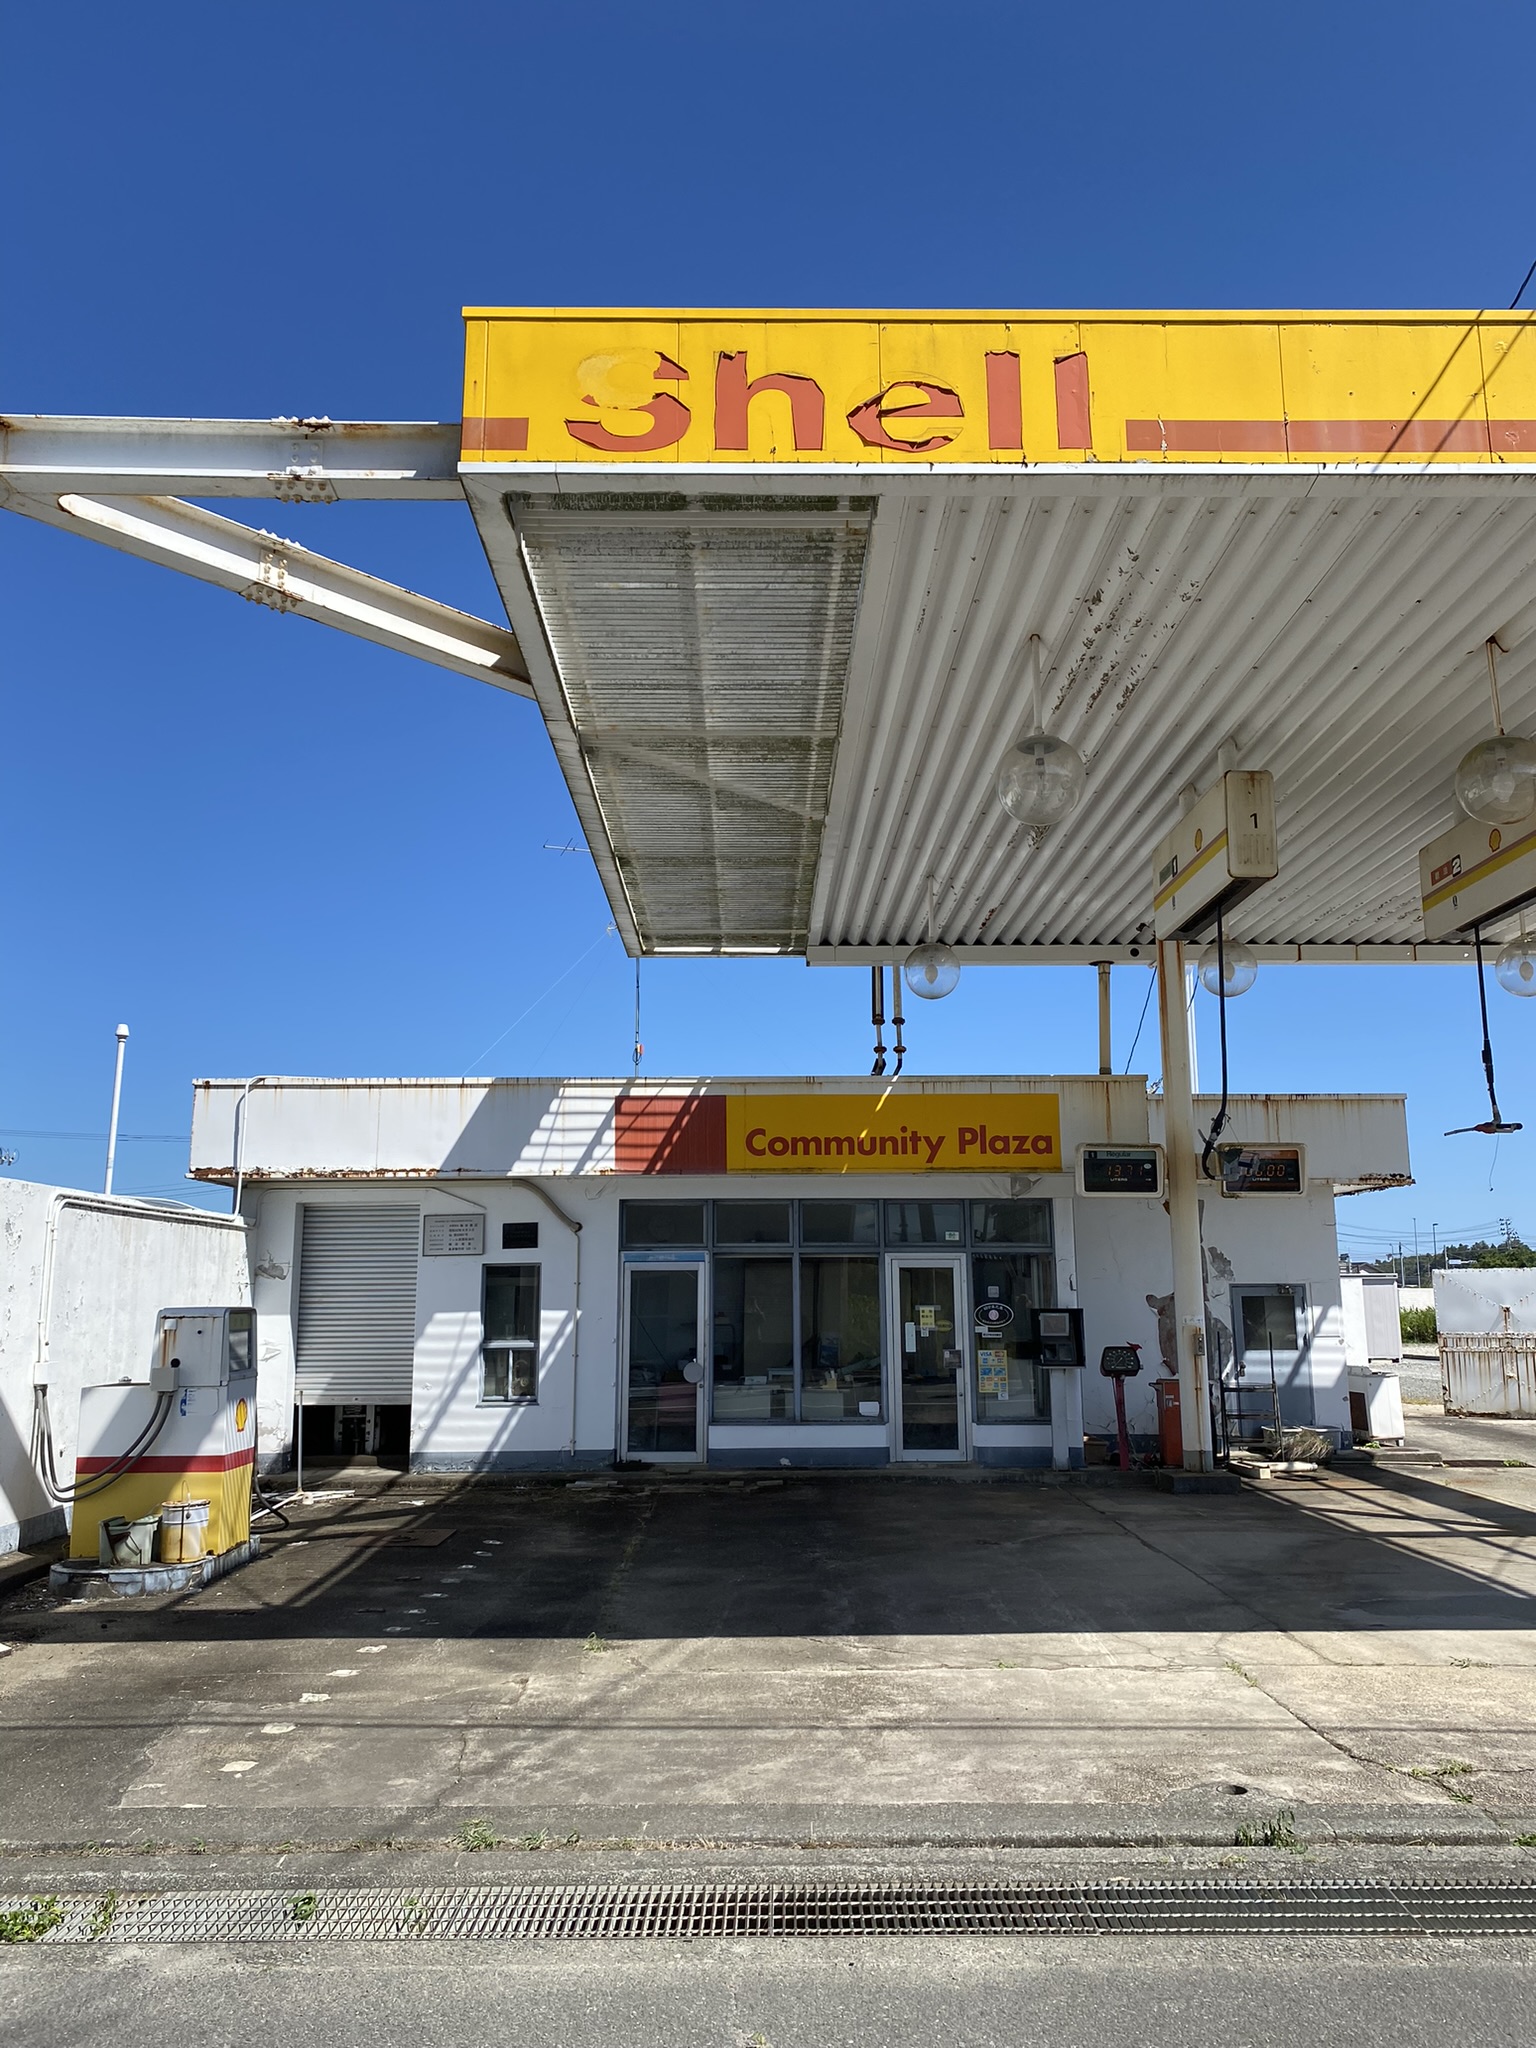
column 928, row 1344
column 1270, row 1326
column 663, row 1361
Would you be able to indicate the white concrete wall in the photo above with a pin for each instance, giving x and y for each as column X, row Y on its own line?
column 1123, row 1256
column 290, row 1127
column 86, row 1314
column 449, row 1426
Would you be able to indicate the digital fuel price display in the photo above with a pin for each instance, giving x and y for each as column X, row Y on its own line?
column 1120, row 1170
column 1262, row 1169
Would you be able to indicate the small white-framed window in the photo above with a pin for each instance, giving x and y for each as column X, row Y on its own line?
column 509, row 1346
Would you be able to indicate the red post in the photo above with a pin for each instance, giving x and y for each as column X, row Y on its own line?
column 1125, row 1441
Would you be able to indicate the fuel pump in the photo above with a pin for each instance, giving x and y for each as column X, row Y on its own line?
column 186, row 1435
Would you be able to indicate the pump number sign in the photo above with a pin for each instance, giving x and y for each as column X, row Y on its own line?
column 1262, row 1169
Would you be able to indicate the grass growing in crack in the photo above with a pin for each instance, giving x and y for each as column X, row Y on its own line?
column 595, row 1646
column 476, row 1834
column 104, row 1915
column 1278, row 1832
column 1246, row 1676
column 303, row 1907
column 1437, row 1774
column 544, row 1839
column 1525, row 1841
column 32, row 1921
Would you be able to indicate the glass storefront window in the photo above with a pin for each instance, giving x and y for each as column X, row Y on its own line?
column 661, row 1226
column 740, row 1223
column 1010, row 1223
column 1010, row 1387
column 840, row 1376
column 925, row 1222
column 754, row 1342
column 839, row 1223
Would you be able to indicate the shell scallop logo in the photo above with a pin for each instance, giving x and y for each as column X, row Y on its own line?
column 1495, row 840
column 241, row 1413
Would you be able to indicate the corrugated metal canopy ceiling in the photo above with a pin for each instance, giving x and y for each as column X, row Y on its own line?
column 780, row 717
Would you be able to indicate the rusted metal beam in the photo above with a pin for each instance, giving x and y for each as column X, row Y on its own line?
column 313, row 461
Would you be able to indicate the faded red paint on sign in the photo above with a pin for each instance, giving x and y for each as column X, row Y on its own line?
column 669, row 1134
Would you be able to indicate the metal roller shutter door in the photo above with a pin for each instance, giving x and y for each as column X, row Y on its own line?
column 357, row 1302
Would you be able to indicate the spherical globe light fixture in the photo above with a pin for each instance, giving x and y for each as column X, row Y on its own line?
column 1041, row 779
column 931, row 971
column 1515, row 968
column 1232, row 974
column 1496, row 780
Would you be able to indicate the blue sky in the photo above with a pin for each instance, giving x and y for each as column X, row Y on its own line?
column 269, row 848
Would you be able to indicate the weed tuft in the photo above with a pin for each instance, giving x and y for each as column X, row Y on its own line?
column 32, row 1921
column 476, row 1834
column 1278, row 1832
column 303, row 1907
column 104, row 1915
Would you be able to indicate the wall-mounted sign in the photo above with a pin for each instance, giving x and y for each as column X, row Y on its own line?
column 446, row 1235
column 1262, row 1169
column 993, row 1315
column 1120, row 1170
column 891, row 1133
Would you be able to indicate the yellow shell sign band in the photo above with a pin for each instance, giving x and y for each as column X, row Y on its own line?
column 893, row 1134
column 916, row 389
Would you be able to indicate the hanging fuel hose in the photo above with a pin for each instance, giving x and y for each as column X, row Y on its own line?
column 1219, row 1120
column 877, row 1016
column 1495, row 1126
column 897, row 1019
column 98, row 1482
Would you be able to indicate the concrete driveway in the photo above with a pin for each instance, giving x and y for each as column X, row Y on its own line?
column 822, row 1658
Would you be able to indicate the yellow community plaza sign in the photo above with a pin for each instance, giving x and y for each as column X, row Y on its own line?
column 892, row 1134
column 549, row 386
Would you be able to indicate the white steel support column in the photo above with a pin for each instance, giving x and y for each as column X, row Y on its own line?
column 1106, row 1062
column 1184, row 1207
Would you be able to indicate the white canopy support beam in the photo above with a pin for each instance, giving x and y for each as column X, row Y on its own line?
column 313, row 461
column 286, row 577
column 1449, row 952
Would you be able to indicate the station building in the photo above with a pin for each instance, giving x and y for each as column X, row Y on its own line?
column 535, row 1275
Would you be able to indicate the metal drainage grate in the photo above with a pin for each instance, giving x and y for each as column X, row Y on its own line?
column 695, row 1912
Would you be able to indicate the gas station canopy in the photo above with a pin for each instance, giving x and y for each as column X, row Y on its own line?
column 774, row 580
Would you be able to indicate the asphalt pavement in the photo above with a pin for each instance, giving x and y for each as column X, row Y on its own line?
column 1132, row 1992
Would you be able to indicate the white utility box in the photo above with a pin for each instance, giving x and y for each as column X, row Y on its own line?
column 1378, row 1396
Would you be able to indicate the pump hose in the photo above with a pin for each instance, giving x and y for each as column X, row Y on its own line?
column 98, row 1482
column 1219, row 1120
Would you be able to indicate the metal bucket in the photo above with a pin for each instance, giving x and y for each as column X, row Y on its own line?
column 183, row 1531
column 132, row 1544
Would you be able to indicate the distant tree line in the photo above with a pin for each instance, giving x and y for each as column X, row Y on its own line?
column 1414, row 1268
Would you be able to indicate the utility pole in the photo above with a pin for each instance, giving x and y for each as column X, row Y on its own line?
column 1418, row 1270
column 117, row 1096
